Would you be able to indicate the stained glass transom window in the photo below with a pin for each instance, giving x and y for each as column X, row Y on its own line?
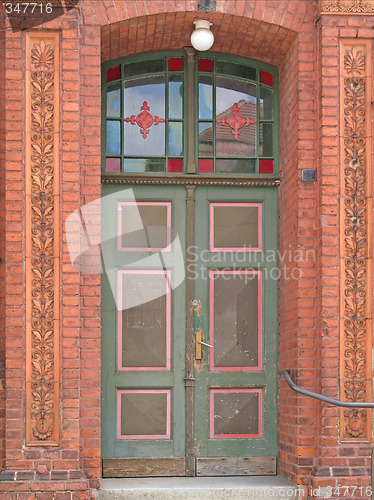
column 144, row 116
column 236, row 118
column 146, row 110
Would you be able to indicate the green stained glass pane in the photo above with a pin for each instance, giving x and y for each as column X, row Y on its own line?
column 144, row 67
column 233, row 166
column 175, row 146
column 205, row 139
column 266, row 139
column 113, row 137
column 114, row 102
column 227, row 68
column 144, row 165
column 205, row 98
column 175, row 97
column 266, row 103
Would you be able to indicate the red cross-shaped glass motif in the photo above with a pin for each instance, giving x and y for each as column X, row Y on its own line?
column 236, row 121
column 144, row 120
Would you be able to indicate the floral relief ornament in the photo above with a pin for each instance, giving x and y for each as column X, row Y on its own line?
column 42, row 243
column 346, row 6
column 354, row 62
column 42, row 56
column 356, row 420
column 355, row 242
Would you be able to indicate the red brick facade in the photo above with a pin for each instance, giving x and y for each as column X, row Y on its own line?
column 305, row 46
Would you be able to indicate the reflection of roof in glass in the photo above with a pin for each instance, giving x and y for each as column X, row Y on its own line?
column 226, row 144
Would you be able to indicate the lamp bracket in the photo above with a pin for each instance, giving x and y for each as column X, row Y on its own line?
column 206, row 5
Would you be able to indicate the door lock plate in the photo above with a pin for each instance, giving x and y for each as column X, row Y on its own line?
column 198, row 346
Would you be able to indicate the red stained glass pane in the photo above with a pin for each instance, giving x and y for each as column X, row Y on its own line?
column 205, row 166
column 175, row 64
column 206, row 65
column 113, row 165
column 175, row 165
column 266, row 78
column 266, row 167
column 113, row 74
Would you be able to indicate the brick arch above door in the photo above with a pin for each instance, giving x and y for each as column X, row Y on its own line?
column 238, row 35
column 239, row 26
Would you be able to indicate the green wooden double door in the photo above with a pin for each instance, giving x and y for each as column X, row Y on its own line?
column 189, row 330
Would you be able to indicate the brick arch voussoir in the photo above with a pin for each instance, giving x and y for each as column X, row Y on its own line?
column 238, row 35
column 284, row 13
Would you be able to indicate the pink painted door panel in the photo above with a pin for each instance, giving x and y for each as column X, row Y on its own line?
column 143, row 324
column 235, row 393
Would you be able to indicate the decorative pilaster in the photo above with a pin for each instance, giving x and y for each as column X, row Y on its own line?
column 355, row 236
column 42, row 238
column 357, row 7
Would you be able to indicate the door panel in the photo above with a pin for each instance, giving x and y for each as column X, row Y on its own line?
column 143, row 329
column 235, row 408
column 235, row 303
column 144, row 321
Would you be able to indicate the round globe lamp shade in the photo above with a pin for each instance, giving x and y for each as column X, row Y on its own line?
column 202, row 38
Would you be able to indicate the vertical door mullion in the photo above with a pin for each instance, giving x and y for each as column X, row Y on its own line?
column 190, row 341
column 191, row 165
column 191, row 169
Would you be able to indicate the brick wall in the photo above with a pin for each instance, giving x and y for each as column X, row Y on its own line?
column 90, row 284
column 347, row 463
column 14, row 310
column 55, row 469
column 299, row 239
column 2, row 244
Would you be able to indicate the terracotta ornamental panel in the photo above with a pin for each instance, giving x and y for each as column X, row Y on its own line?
column 360, row 7
column 42, row 238
column 355, row 236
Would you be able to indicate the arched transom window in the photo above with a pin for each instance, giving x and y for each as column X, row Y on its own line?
column 166, row 112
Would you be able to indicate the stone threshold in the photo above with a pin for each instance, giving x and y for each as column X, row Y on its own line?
column 204, row 488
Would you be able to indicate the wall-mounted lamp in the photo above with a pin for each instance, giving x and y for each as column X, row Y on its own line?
column 202, row 38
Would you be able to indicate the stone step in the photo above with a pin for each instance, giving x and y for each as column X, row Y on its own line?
column 204, row 488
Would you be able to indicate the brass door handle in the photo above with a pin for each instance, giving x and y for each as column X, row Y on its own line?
column 204, row 343
column 199, row 343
